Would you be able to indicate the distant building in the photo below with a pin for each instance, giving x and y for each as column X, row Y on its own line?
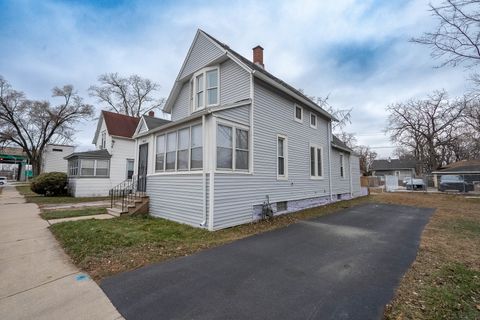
column 53, row 158
column 396, row 167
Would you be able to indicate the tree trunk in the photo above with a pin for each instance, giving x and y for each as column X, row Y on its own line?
column 36, row 163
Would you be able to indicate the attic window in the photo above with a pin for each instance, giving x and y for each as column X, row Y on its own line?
column 204, row 89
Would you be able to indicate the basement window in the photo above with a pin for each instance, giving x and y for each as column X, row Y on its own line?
column 281, row 206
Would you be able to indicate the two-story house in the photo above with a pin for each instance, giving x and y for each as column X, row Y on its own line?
column 239, row 135
column 94, row 173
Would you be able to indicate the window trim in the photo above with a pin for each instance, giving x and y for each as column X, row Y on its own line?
column 316, row 176
column 194, row 90
column 285, row 157
column 295, row 106
column 176, row 171
column 234, row 127
column 316, row 120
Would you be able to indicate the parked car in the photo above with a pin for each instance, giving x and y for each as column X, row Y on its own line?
column 3, row 181
column 454, row 182
column 414, row 184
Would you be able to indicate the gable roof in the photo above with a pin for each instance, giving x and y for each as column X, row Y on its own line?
column 117, row 124
column 394, row 164
column 153, row 122
column 258, row 72
column 339, row 144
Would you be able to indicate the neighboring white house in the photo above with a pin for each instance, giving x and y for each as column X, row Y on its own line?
column 54, row 158
column 239, row 135
column 94, row 173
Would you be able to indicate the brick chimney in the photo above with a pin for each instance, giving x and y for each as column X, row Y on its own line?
column 151, row 113
column 258, row 56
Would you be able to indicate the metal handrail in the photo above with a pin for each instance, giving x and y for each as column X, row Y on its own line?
column 127, row 192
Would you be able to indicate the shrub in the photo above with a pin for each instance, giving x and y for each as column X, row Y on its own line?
column 50, row 184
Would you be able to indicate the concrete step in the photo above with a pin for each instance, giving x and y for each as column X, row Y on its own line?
column 116, row 211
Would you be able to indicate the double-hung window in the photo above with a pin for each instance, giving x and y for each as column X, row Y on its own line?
column 200, row 89
column 313, row 121
column 204, row 89
column 103, row 143
column 342, row 166
column 298, row 113
column 130, row 165
column 316, row 161
column 232, row 148
column 282, row 164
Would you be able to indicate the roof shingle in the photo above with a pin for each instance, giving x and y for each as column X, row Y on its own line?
column 120, row 124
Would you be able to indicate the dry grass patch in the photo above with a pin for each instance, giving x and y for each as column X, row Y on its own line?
column 106, row 247
column 443, row 282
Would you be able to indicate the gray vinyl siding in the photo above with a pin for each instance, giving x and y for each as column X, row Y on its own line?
column 340, row 185
column 203, row 52
column 236, row 194
column 357, row 189
column 238, row 114
column 181, row 107
column 177, row 197
column 234, row 83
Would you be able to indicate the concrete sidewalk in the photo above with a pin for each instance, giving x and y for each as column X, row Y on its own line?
column 37, row 279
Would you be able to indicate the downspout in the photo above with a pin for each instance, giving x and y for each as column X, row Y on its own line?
column 204, row 175
column 350, row 173
column 330, row 159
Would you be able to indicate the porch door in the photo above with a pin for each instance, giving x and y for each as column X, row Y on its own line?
column 142, row 167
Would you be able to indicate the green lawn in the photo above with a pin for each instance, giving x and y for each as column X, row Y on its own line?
column 57, row 214
column 31, row 196
column 105, row 247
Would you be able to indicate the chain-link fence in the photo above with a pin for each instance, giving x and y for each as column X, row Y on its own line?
column 464, row 183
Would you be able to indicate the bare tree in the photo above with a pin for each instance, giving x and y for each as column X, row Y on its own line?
column 456, row 38
column 427, row 127
column 366, row 158
column 133, row 95
column 33, row 124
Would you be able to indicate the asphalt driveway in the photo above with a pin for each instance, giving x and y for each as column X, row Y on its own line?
column 341, row 266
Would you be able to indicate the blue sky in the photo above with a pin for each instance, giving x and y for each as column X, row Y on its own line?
column 357, row 52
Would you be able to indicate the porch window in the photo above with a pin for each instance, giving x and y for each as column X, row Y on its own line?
column 171, row 150
column 224, row 147
column 101, row 167
column 182, row 152
column 87, row 167
column 160, row 153
column 232, row 148
column 196, row 152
